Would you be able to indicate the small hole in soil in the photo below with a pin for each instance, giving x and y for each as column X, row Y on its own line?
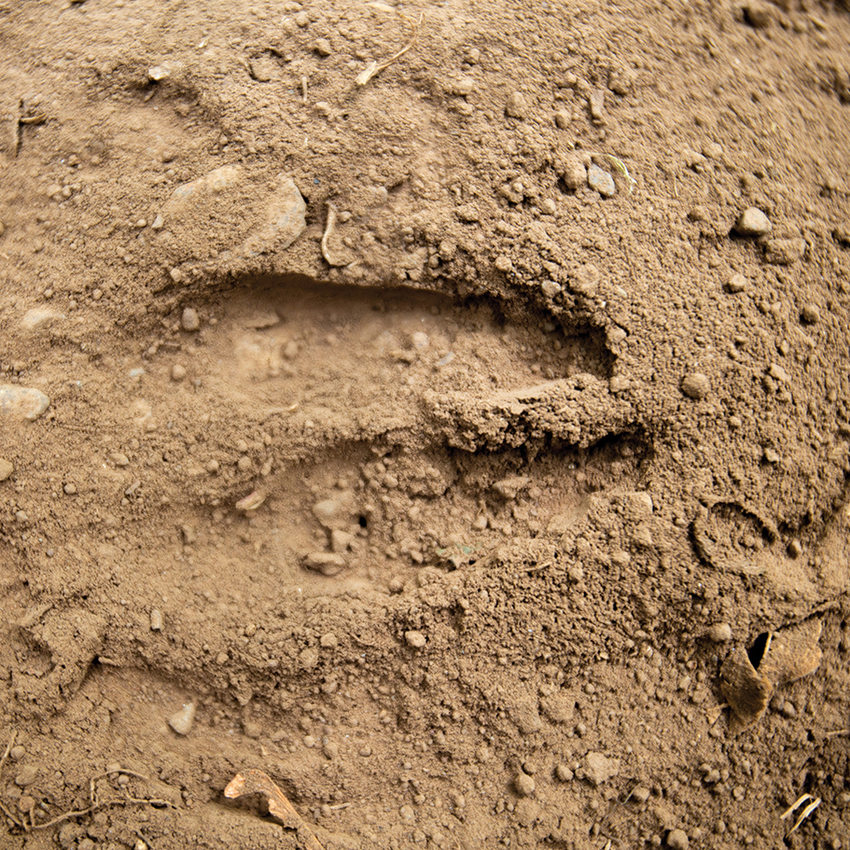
column 756, row 651
column 363, row 521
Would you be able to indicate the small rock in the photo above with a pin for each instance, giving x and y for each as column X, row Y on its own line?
column 22, row 402
column 601, row 181
column 810, row 315
column 516, row 106
column 158, row 73
column 26, row 776
column 752, row 222
column 558, row 707
column 156, row 620
column 524, row 784
column 778, row 373
column 618, row 384
column 178, row 372
column 563, row 773
column 328, row 641
column 17, row 752
column 784, row 252
column 509, row 488
column 550, row 288
column 323, row 47
column 563, row 119
column 189, row 320
column 585, row 280
column 757, row 14
column 736, row 283
column 596, row 105
column 677, row 839
column 6, row 469
column 326, row 563
column 695, row 385
column 640, row 794
column 598, row 768
column 574, row 174
column 720, row 632
column 341, row 541
column 309, row 657
column 26, row 803
column 181, row 721
column 415, row 639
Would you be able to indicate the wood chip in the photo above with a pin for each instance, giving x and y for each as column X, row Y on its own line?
column 254, row 781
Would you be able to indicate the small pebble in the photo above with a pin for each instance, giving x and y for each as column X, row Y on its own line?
column 6, row 469
column 599, row 768
column 810, row 315
column 640, row 794
column 677, row 839
column 26, row 776
column 563, row 773
column 70, row 489
column 178, row 372
column 516, row 105
column 795, row 548
column 189, row 320
column 323, row 47
column 563, row 119
column 328, row 641
column 415, row 639
column 752, row 222
column 601, row 181
column 156, row 620
column 22, row 402
column 524, row 784
column 17, row 752
column 574, row 174
column 720, row 632
column 181, row 721
column 736, row 283
column 695, row 385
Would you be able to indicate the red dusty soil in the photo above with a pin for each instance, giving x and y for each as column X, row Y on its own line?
column 465, row 446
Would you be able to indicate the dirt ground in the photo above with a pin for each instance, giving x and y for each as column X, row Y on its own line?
column 463, row 439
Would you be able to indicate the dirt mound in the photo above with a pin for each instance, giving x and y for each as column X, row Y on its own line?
column 453, row 433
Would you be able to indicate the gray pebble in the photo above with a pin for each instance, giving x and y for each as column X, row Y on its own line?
column 181, row 721
column 22, row 402
column 695, row 385
column 752, row 222
column 156, row 620
column 601, row 181
column 190, row 321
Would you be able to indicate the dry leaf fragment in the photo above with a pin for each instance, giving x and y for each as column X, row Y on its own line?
column 255, row 781
column 746, row 691
column 793, row 652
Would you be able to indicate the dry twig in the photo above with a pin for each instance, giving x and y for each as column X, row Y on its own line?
column 257, row 782
column 374, row 68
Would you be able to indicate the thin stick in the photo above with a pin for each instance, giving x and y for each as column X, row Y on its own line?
column 805, row 813
column 125, row 801
column 375, row 68
column 8, row 749
column 10, row 815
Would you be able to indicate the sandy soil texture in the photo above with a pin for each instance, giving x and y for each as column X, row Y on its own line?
column 443, row 408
